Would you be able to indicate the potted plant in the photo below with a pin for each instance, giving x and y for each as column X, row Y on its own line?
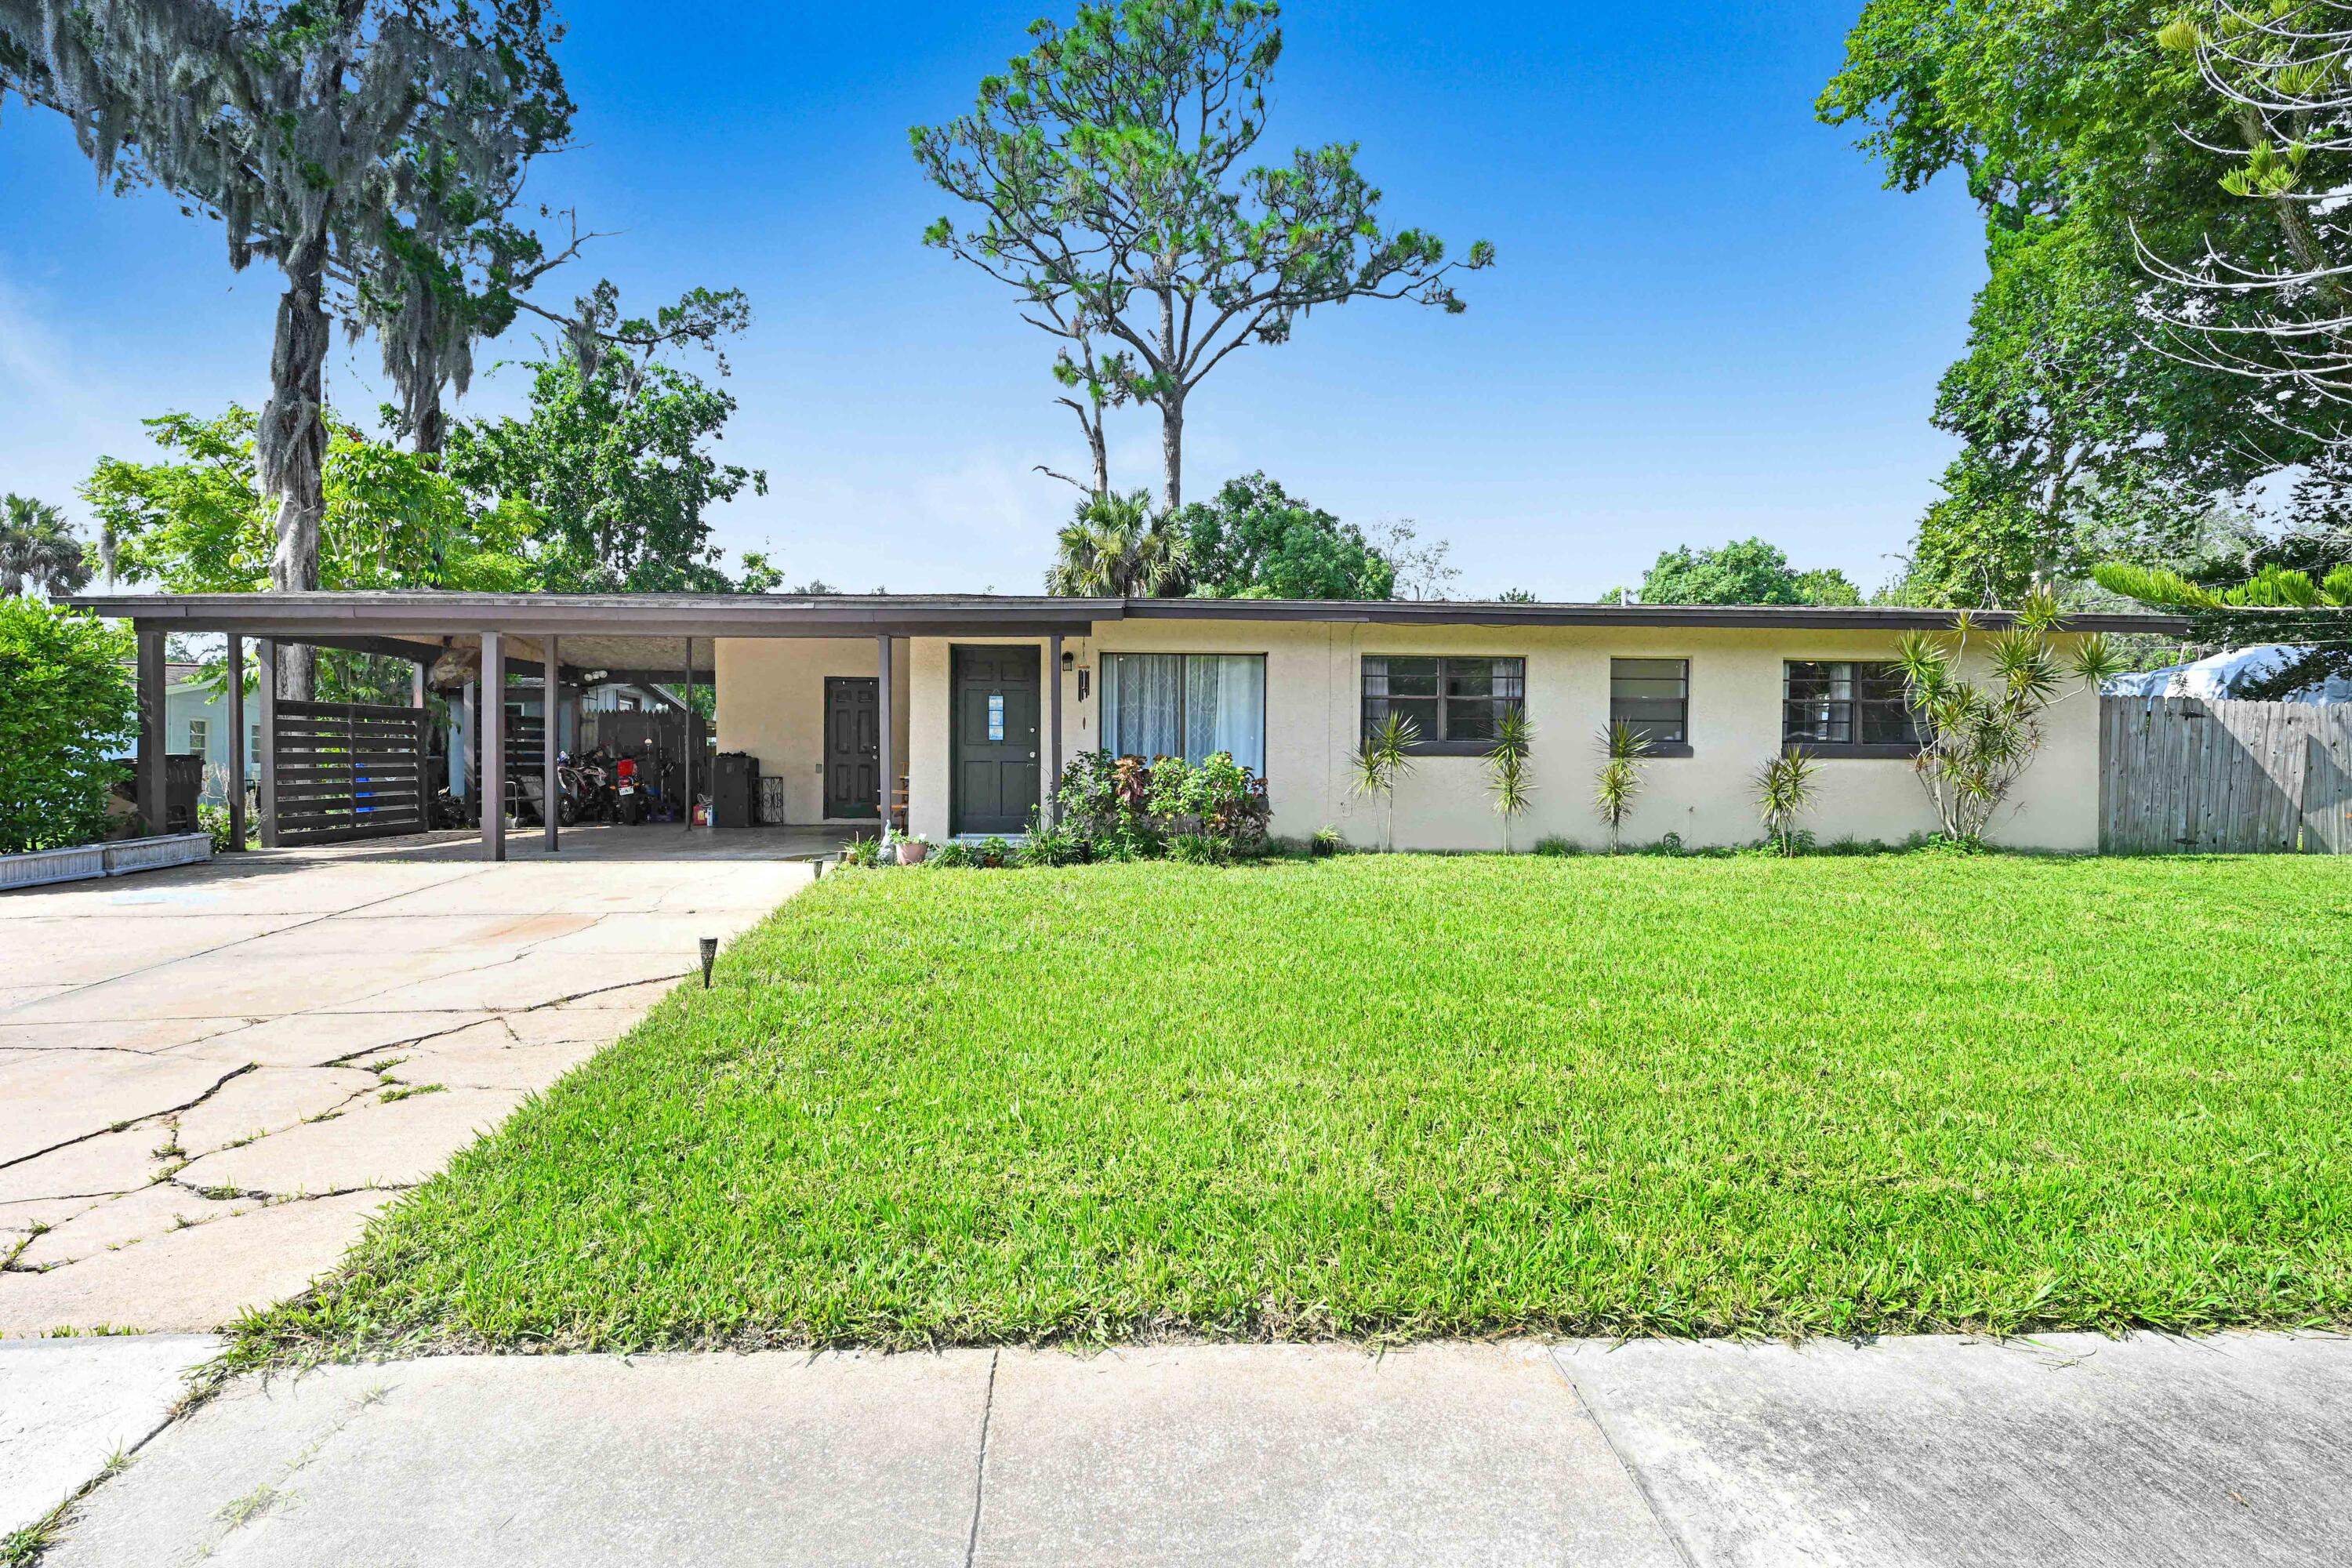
column 912, row 850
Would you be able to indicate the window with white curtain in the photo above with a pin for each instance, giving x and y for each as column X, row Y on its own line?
column 1185, row 705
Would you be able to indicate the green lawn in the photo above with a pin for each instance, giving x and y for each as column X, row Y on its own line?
column 1399, row 1096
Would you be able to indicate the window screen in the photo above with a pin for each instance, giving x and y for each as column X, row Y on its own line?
column 1652, row 697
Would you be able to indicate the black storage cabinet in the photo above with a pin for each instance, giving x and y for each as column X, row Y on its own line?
column 735, row 790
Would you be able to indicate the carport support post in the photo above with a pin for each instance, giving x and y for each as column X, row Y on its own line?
column 236, row 740
column 154, row 803
column 547, row 689
column 890, row 781
column 493, row 748
column 264, row 687
column 1053, row 770
column 687, row 729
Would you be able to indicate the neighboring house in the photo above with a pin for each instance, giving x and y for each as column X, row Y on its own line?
column 2218, row 677
column 196, row 720
column 957, row 696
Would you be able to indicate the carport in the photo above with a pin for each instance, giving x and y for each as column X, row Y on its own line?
column 338, row 772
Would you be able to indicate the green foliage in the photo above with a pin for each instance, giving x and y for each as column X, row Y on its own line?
column 68, row 705
column 1127, row 808
column 39, row 549
column 1558, row 846
column 1784, row 792
column 1618, row 783
column 953, row 854
column 2277, row 605
column 1744, row 572
column 614, row 461
column 1384, row 757
column 196, row 523
column 1253, row 541
column 1984, row 731
column 2090, row 429
column 1107, row 168
column 1114, row 547
column 1508, row 769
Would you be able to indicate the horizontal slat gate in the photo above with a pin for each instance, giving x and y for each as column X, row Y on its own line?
column 2182, row 773
column 348, row 770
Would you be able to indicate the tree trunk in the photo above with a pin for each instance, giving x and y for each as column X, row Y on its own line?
column 1171, row 406
column 292, row 445
column 1101, row 453
column 432, row 430
column 1172, row 450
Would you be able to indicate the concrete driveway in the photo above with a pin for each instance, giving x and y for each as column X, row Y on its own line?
column 211, row 1078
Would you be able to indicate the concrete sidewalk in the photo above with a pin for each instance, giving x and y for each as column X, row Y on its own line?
column 2069, row 1450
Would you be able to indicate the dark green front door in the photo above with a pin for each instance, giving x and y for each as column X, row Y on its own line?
column 995, row 739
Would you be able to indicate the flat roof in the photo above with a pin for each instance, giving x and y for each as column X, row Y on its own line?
column 427, row 614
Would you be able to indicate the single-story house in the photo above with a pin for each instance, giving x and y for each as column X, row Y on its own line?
column 958, row 710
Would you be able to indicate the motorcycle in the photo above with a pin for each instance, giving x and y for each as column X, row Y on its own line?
column 585, row 783
column 631, row 803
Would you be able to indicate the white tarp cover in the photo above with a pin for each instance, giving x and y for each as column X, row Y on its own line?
column 2217, row 677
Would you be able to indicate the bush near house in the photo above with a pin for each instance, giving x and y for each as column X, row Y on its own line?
column 1394, row 1095
column 68, row 703
column 1127, row 808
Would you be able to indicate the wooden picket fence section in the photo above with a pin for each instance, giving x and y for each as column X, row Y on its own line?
column 347, row 770
column 2184, row 775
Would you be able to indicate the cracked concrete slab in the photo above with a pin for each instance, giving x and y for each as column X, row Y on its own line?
column 376, row 1143
column 200, row 1277
column 103, row 1089
column 193, row 1010
column 266, row 1100
column 151, row 1211
column 68, row 1406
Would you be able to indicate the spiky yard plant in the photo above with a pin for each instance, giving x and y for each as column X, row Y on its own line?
column 1619, row 782
column 1784, row 792
column 1385, row 757
column 1981, row 732
column 1508, row 771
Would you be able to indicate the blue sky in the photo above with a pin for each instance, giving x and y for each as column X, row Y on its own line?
column 1707, row 319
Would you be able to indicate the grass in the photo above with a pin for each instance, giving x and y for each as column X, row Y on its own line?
column 1388, row 1097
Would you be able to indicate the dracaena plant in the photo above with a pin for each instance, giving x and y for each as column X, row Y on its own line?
column 1980, row 732
column 1784, row 792
column 1619, row 782
column 1385, row 757
column 1507, row 772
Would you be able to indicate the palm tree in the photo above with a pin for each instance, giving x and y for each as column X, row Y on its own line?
column 38, row 548
column 1113, row 547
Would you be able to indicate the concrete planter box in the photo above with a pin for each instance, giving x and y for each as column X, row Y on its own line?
column 83, row 860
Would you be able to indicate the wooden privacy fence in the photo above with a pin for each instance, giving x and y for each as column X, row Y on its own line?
column 2183, row 773
column 348, row 770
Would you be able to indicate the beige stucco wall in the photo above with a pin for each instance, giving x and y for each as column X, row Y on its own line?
column 1313, row 699
column 771, row 704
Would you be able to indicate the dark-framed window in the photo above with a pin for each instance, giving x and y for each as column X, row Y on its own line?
column 1651, row 697
column 1454, row 703
column 1847, row 706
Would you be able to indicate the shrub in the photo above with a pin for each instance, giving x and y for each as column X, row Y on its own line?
column 994, row 852
column 1197, row 849
column 1050, row 845
column 862, row 852
column 1784, row 792
column 1619, row 782
column 1327, row 840
column 955, row 853
column 1126, row 808
column 1554, row 843
column 1983, row 735
column 67, row 701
